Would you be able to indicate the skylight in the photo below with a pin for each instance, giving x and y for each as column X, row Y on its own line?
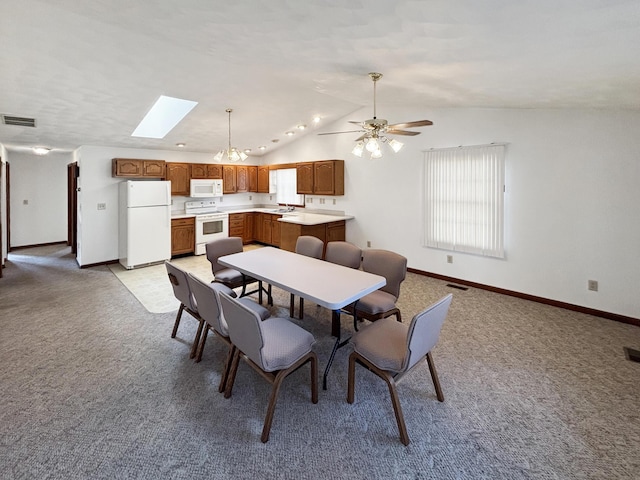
column 163, row 116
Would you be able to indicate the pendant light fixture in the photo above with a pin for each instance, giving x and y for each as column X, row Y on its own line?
column 232, row 153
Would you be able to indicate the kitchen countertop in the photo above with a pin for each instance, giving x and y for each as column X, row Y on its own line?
column 297, row 216
column 312, row 218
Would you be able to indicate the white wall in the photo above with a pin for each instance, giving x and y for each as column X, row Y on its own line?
column 571, row 202
column 98, row 229
column 41, row 181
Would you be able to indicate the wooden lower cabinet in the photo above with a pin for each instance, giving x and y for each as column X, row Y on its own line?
column 327, row 232
column 183, row 236
column 266, row 228
column 243, row 225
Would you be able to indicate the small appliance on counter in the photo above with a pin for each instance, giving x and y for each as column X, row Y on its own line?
column 144, row 223
column 211, row 224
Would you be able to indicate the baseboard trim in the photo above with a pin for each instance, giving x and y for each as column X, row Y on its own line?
column 533, row 298
column 21, row 247
column 99, row 264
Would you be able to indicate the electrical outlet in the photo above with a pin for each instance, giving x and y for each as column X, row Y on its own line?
column 592, row 285
column 102, row 206
column 369, row 243
column 334, row 201
column 449, row 258
column 309, row 200
column 250, row 197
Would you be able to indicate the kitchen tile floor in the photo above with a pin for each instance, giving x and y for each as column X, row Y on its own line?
column 150, row 285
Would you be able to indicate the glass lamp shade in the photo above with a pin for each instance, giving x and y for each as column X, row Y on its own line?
column 218, row 156
column 358, row 149
column 396, row 145
column 372, row 145
column 376, row 153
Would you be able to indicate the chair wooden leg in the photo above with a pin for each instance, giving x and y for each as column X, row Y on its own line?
column 434, row 377
column 232, row 373
column 277, row 383
column 272, row 404
column 227, row 368
column 260, row 292
column 397, row 409
column 391, row 383
column 203, row 340
column 196, row 340
column 178, row 317
column 351, row 383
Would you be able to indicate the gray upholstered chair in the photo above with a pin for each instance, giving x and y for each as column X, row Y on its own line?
column 274, row 347
column 228, row 276
column 391, row 349
column 208, row 302
column 308, row 246
column 182, row 292
column 382, row 302
column 343, row 253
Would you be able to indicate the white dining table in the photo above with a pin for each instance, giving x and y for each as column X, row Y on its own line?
column 327, row 284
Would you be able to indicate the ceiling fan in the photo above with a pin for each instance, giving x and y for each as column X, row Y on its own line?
column 375, row 129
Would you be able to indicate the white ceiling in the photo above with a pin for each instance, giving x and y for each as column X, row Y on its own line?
column 89, row 71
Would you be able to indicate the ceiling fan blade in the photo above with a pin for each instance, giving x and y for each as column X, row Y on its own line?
column 347, row 131
column 401, row 132
column 418, row 123
column 356, row 123
column 361, row 137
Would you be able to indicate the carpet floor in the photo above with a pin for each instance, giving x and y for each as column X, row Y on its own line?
column 93, row 387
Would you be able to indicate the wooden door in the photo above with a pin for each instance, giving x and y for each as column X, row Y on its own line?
column 73, row 172
column 263, row 179
column 242, row 178
column 253, row 178
column 179, row 174
column 228, row 179
column 304, row 177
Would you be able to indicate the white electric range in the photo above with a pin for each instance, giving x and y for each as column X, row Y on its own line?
column 211, row 224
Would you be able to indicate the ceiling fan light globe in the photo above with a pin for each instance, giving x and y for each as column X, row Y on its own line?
column 358, row 149
column 396, row 145
column 218, row 156
column 376, row 154
column 243, row 156
column 372, row 145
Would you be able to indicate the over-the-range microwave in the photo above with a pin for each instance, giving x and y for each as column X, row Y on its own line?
column 206, row 188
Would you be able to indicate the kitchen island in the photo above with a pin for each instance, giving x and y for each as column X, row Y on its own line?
column 327, row 228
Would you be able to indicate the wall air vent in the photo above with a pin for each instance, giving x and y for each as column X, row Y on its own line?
column 19, row 121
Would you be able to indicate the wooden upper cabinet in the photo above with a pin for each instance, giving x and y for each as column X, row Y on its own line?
column 179, row 175
column 214, row 170
column 153, row 168
column 304, row 177
column 206, row 170
column 328, row 177
column 263, row 179
column 253, row 178
column 198, row 170
column 229, row 179
column 136, row 168
column 242, row 178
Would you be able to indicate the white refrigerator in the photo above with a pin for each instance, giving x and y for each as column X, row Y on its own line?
column 145, row 222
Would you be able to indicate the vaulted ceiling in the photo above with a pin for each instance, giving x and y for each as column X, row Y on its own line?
column 89, row 71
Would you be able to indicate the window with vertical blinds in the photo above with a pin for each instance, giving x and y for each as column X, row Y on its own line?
column 464, row 199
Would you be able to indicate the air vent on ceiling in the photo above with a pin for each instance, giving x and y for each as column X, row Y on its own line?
column 19, row 121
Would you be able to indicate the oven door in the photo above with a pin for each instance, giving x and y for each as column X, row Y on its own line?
column 210, row 227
